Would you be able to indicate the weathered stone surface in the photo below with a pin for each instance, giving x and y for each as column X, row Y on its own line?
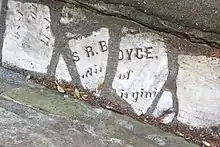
column 171, row 10
column 10, row 80
column 86, row 49
column 197, row 21
column 142, row 70
column 85, row 126
column 75, row 123
column 28, row 41
column 46, row 118
column 198, row 90
column 92, row 54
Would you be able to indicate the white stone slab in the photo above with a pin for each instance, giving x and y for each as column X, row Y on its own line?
column 142, row 70
column 91, row 55
column 28, row 41
column 198, row 90
column 62, row 73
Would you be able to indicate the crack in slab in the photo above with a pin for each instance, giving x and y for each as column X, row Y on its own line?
column 145, row 12
column 161, row 28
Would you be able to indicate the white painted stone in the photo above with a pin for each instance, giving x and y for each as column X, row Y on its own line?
column 169, row 118
column 198, row 90
column 139, row 80
column 28, row 41
column 91, row 66
column 62, row 73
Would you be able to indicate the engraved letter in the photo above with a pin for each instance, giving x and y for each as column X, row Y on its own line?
column 137, row 95
column 103, row 46
column 148, row 94
column 128, row 74
column 89, row 50
column 75, row 56
column 142, row 92
column 148, row 53
column 89, row 71
column 121, row 55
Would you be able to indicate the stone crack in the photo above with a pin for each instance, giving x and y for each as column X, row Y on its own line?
column 162, row 25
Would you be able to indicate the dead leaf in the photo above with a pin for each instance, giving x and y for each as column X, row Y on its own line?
column 100, row 86
column 85, row 97
column 77, row 93
column 206, row 143
column 60, row 89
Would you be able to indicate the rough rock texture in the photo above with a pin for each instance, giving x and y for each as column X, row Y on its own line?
column 196, row 21
column 133, row 53
column 44, row 117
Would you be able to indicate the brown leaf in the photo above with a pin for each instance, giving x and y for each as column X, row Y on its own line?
column 77, row 94
column 85, row 97
column 60, row 89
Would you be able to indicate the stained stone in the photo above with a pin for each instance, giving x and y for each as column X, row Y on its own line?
column 28, row 41
column 70, row 122
column 198, row 90
column 124, row 61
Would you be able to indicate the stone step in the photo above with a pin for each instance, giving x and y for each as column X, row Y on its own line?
column 32, row 115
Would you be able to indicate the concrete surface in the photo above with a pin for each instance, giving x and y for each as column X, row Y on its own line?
column 145, row 61
column 31, row 115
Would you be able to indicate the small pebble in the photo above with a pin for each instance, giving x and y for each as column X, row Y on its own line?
column 206, row 143
column 28, row 77
column 191, row 128
column 66, row 96
column 180, row 134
